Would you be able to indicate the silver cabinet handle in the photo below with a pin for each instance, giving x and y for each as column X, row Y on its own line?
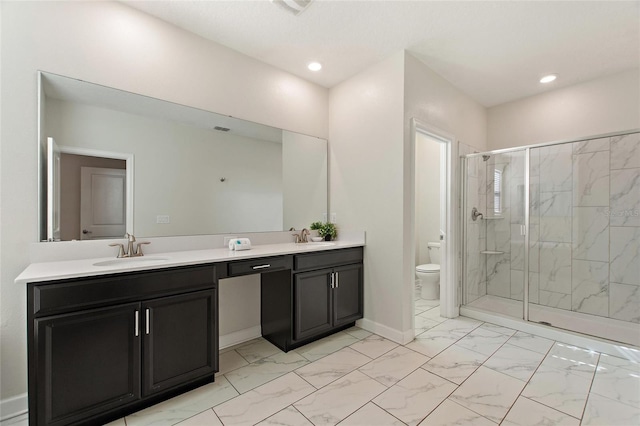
column 332, row 280
column 147, row 320
column 137, row 323
column 337, row 279
column 262, row 266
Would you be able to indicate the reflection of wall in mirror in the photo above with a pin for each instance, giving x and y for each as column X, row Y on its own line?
column 304, row 179
column 166, row 155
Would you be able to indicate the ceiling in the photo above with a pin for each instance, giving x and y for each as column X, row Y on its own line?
column 494, row 51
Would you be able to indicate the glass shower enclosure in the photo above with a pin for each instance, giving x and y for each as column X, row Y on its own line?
column 551, row 235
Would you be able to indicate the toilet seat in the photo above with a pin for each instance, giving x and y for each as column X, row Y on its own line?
column 428, row 268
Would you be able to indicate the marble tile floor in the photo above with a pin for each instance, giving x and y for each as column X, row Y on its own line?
column 456, row 372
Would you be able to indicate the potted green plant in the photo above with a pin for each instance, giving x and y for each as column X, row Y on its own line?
column 315, row 226
column 329, row 231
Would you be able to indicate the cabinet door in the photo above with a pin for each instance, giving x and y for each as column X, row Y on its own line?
column 347, row 294
column 179, row 339
column 313, row 303
column 88, row 363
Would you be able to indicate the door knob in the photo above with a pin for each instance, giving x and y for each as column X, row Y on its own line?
column 85, row 231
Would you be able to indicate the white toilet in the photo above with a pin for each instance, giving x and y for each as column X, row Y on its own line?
column 429, row 273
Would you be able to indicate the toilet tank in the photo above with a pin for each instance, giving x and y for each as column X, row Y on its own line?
column 434, row 252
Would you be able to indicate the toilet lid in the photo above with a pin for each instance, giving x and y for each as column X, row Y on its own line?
column 428, row 267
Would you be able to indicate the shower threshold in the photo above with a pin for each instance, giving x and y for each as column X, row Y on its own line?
column 590, row 325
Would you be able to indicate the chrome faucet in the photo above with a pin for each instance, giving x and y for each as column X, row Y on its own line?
column 303, row 236
column 131, row 251
column 132, row 239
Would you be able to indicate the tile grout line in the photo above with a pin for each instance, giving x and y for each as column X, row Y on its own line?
column 526, row 382
column 298, row 411
column 538, row 402
column 590, row 386
column 370, row 400
column 294, row 372
column 395, row 417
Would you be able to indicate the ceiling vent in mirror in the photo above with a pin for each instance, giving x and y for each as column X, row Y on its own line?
column 294, row 6
column 222, row 129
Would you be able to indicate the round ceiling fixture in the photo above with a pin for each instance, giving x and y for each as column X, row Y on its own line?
column 548, row 78
column 315, row 66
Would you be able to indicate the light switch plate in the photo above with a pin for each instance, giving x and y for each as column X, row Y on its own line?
column 333, row 218
column 163, row 218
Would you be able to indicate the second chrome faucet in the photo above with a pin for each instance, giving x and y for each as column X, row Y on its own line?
column 132, row 250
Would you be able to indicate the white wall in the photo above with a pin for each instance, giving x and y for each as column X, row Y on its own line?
column 111, row 44
column 239, row 307
column 371, row 171
column 607, row 104
column 434, row 102
column 304, row 179
column 366, row 162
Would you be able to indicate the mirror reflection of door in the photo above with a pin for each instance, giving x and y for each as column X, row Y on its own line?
column 71, row 166
column 102, row 203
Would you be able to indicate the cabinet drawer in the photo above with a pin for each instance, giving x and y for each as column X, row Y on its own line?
column 83, row 293
column 256, row 266
column 327, row 258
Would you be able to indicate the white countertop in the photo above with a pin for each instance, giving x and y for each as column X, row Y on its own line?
column 46, row 271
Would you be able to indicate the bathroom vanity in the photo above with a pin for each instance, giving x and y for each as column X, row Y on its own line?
column 108, row 337
column 104, row 342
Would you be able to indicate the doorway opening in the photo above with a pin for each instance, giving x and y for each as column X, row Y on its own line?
column 433, row 290
column 89, row 193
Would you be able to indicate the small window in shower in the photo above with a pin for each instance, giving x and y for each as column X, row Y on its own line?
column 497, row 192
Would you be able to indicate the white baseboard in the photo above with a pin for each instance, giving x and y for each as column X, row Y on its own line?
column 387, row 332
column 240, row 336
column 12, row 407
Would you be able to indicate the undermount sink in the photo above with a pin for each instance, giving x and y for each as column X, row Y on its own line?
column 132, row 261
column 321, row 244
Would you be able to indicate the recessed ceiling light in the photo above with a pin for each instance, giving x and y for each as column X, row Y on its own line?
column 548, row 78
column 315, row 66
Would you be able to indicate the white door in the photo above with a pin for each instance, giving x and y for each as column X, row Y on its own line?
column 53, row 191
column 102, row 203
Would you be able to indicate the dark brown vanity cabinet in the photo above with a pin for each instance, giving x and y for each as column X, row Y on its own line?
column 178, row 340
column 323, row 295
column 106, row 346
column 88, row 362
column 326, row 299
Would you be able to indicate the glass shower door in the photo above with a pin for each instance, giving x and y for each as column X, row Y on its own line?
column 475, row 270
column 495, row 232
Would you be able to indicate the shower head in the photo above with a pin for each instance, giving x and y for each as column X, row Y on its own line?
column 485, row 157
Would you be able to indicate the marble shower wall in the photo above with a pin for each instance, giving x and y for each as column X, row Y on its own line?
column 585, row 227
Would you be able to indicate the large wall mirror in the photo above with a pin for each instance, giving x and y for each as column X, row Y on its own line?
column 113, row 162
